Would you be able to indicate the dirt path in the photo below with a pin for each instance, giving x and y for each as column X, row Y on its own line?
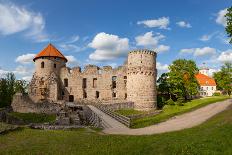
column 180, row 122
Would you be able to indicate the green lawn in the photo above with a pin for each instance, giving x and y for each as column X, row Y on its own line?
column 129, row 112
column 4, row 126
column 212, row 137
column 33, row 117
column 172, row 110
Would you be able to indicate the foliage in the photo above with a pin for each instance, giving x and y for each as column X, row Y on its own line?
column 8, row 87
column 211, row 137
column 217, row 94
column 163, row 85
column 161, row 101
column 223, row 78
column 170, row 102
column 229, row 23
column 172, row 110
column 33, row 117
column 182, row 78
column 180, row 101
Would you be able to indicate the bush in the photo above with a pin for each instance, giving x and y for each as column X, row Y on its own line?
column 217, row 94
column 170, row 102
column 180, row 101
column 160, row 101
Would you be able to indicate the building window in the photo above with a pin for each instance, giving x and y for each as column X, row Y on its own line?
column 84, row 94
column 54, row 65
column 84, row 83
column 66, row 82
column 97, row 94
column 212, row 88
column 125, row 95
column 94, row 82
column 125, row 80
column 114, row 78
column 42, row 64
column 71, row 98
column 206, row 88
column 113, row 94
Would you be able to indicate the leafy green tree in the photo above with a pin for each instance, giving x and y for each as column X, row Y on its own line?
column 182, row 78
column 223, row 78
column 229, row 23
column 8, row 87
column 163, row 85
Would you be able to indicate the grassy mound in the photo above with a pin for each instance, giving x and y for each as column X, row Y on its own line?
column 33, row 117
column 172, row 110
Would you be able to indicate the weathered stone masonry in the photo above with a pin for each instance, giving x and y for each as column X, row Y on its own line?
column 135, row 81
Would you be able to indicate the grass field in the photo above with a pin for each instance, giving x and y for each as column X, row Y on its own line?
column 212, row 137
column 129, row 112
column 33, row 118
column 172, row 110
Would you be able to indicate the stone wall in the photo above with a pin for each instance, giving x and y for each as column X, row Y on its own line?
column 23, row 104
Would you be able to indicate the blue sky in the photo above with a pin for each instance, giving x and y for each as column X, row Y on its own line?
column 101, row 32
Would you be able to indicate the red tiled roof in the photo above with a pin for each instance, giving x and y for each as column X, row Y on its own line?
column 50, row 51
column 204, row 80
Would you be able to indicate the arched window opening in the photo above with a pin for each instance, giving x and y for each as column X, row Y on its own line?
column 97, row 94
column 42, row 64
column 54, row 65
column 66, row 82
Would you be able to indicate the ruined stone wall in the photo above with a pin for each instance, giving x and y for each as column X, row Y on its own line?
column 99, row 85
column 141, row 75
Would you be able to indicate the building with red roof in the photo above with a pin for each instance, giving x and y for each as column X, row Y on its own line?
column 207, row 84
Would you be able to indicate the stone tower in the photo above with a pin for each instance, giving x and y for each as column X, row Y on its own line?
column 141, row 75
column 45, row 82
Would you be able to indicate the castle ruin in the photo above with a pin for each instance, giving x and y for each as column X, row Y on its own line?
column 134, row 81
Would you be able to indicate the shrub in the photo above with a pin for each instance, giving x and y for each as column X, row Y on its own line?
column 217, row 94
column 180, row 101
column 170, row 102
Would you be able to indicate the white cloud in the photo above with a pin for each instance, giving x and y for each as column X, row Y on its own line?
column 161, row 23
column 225, row 56
column 221, row 19
column 199, row 51
column 15, row 19
column 161, row 67
column 71, row 60
column 212, row 71
column 27, row 78
column 22, row 70
column 162, row 48
column 25, row 58
column 73, row 39
column 205, row 37
column 108, row 47
column 149, row 40
column 70, row 47
column 184, row 24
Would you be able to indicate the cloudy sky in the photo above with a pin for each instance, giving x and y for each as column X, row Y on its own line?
column 101, row 32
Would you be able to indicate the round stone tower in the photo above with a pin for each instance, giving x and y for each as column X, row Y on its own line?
column 48, row 61
column 141, row 79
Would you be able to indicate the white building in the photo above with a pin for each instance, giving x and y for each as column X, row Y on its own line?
column 207, row 84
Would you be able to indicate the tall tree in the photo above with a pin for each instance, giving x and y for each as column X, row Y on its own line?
column 224, row 78
column 229, row 23
column 163, row 85
column 182, row 78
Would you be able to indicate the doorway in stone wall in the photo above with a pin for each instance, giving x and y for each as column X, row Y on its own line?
column 71, row 98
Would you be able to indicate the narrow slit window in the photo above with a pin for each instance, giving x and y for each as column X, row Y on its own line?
column 42, row 64
column 66, row 82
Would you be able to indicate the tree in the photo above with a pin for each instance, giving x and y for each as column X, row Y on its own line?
column 223, row 78
column 8, row 87
column 229, row 23
column 182, row 78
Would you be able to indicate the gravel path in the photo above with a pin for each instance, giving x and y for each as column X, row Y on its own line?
column 187, row 120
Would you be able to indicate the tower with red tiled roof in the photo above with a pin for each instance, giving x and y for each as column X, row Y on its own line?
column 49, row 60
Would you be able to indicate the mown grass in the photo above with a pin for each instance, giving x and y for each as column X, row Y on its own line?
column 4, row 126
column 129, row 112
column 172, row 110
column 33, row 117
column 212, row 137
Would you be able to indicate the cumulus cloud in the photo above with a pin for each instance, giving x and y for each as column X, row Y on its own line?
column 25, row 58
column 150, row 40
column 161, row 67
column 225, row 56
column 71, row 60
column 221, row 19
column 23, row 70
column 199, row 51
column 108, row 47
column 15, row 19
column 183, row 24
column 161, row 23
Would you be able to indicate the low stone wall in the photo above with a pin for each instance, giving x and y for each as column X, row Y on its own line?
column 23, row 104
column 118, row 106
column 3, row 114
